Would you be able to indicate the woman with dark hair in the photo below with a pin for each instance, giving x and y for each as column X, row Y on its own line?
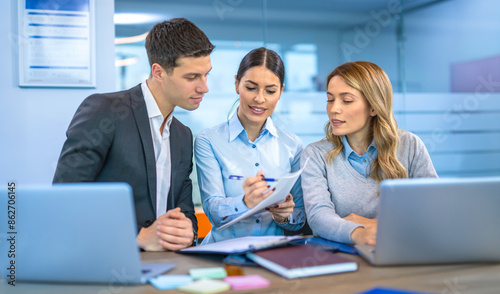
column 249, row 144
column 363, row 146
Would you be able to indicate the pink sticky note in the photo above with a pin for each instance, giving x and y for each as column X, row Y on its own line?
column 247, row 282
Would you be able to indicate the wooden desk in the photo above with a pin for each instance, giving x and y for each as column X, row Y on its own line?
column 452, row 279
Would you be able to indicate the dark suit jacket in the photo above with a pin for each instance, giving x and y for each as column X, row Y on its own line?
column 109, row 140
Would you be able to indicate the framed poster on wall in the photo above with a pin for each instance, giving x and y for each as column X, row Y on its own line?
column 57, row 43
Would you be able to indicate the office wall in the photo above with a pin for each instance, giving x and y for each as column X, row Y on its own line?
column 33, row 121
column 436, row 37
column 324, row 37
column 447, row 33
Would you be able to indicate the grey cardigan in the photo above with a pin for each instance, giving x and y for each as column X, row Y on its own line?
column 334, row 191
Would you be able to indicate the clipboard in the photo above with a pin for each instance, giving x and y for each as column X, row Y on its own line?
column 256, row 243
column 241, row 245
column 283, row 187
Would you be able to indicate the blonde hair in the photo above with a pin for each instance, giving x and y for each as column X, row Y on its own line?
column 373, row 83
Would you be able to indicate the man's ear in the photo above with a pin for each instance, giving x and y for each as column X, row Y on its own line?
column 236, row 84
column 157, row 71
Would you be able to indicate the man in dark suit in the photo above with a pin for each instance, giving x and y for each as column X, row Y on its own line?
column 131, row 136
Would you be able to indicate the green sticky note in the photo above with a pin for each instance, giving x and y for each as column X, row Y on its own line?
column 208, row 273
column 205, row 286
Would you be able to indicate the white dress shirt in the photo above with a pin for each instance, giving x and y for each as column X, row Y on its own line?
column 161, row 144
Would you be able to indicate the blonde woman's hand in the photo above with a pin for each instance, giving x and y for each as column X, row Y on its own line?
column 361, row 219
column 365, row 236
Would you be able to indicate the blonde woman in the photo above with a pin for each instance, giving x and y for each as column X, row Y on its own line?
column 363, row 146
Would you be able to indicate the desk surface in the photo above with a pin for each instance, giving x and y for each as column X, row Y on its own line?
column 453, row 279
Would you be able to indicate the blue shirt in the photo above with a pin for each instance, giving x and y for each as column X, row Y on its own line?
column 360, row 163
column 225, row 150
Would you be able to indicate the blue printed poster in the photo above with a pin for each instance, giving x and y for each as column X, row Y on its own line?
column 56, row 43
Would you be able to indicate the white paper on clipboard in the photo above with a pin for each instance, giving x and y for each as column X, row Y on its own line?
column 283, row 187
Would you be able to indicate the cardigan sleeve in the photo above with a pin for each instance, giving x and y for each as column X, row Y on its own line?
column 320, row 209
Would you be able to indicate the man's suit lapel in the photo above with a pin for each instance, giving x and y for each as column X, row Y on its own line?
column 142, row 120
column 175, row 158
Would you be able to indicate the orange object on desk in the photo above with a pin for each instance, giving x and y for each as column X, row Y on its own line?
column 204, row 225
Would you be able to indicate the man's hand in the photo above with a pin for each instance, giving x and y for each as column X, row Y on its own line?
column 175, row 230
column 171, row 231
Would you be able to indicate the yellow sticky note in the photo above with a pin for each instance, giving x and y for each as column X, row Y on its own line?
column 205, row 286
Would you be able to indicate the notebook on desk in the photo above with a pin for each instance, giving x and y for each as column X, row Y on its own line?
column 433, row 221
column 84, row 233
column 299, row 261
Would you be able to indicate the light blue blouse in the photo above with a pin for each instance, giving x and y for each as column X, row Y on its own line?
column 225, row 150
column 361, row 163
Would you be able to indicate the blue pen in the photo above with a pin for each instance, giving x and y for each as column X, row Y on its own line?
column 234, row 177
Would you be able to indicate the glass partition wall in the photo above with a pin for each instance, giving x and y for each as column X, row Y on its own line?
column 443, row 59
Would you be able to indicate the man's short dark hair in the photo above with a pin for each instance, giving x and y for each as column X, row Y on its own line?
column 171, row 39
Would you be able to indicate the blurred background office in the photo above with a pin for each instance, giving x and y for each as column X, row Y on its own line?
column 443, row 58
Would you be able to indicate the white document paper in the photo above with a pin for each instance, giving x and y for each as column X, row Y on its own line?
column 238, row 245
column 283, row 187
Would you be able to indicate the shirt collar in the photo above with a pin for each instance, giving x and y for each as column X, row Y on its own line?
column 372, row 146
column 152, row 106
column 348, row 150
column 236, row 128
column 166, row 128
column 270, row 127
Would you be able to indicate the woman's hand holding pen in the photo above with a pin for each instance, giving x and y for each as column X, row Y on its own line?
column 254, row 188
column 282, row 211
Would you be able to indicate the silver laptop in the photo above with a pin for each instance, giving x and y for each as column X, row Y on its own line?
column 83, row 233
column 433, row 221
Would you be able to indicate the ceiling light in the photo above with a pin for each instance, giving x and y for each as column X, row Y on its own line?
column 129, row 40
column 126, row 61
column 137, row 18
